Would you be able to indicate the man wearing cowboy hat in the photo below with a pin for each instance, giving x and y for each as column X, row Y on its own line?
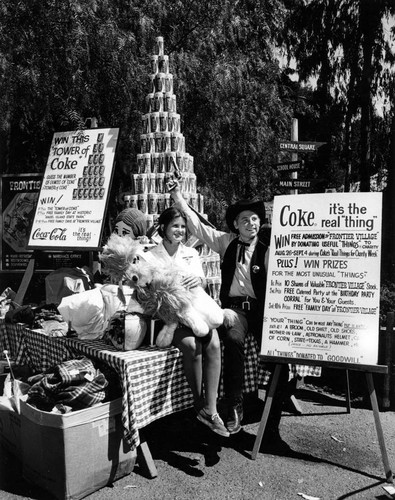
column 243, row 286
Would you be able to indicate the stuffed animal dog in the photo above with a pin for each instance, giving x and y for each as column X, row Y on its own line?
column 159, row 293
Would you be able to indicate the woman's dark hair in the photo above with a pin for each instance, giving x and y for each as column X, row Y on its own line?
column 166, row 217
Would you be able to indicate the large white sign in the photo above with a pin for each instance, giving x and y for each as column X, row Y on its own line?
column 75, row 189
column 323, row 285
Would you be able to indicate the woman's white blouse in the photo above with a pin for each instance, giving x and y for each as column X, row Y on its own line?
column 185, row 259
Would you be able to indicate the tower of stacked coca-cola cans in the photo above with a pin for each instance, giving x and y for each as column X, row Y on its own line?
column 162, row 152
column 162, row 146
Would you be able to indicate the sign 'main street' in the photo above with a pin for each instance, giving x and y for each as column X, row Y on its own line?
column 302, row 146
column 298, row 184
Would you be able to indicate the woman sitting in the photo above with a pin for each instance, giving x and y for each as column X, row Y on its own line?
column 171, row 252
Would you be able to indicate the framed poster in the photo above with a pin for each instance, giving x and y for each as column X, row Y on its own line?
column 323, row 284
column 75, row 189
column 19, row 194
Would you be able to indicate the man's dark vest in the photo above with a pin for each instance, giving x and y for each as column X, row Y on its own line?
column 257, row 271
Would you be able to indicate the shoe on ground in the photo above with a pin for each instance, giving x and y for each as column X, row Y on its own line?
column 234, row 418
column 214, row 422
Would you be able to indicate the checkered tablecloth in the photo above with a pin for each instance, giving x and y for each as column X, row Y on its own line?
column 256, row 374
column 153, row 382
column 152, row 379
column 32, row 348
column 12, row 341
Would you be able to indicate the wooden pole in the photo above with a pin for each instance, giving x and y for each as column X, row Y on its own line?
column 94, row 263
column 391, row 194
column 348, row 394
column 266, row 411
column 389, row 328
column 294, row 156
column 379, row 429
column 27, row 276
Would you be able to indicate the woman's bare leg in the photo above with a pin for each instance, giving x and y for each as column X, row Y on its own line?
column 211, row 371
column 191, row 350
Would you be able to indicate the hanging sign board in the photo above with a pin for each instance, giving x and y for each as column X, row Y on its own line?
column 75, row 190
column 300, row 146
column 323, row 286
column 289, row 166
column 299, row 184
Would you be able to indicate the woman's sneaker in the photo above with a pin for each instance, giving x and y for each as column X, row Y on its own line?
column 214, row 422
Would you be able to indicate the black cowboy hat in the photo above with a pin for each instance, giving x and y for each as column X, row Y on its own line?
column 255, row 205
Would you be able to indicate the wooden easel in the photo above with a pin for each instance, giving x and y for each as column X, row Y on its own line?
column 368, row 369
column 20, row 295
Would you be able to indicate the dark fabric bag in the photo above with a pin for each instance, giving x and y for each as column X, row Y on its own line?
column 20, row 314
column 67, row 281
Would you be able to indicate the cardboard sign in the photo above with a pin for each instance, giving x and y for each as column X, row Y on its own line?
column 75, row 189
column 323, row 285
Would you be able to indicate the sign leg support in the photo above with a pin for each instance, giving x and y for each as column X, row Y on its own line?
column 266, row 411
column 348, row 394
column 20, row 295
column 379, row 429
column 144, row 454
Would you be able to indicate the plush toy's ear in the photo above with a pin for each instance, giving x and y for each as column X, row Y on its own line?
column 117, row 255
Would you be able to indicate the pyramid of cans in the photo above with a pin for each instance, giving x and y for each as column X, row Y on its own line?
column 162, row 152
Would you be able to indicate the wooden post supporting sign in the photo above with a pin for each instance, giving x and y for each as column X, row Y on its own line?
column 373, row 400
column 294, row 146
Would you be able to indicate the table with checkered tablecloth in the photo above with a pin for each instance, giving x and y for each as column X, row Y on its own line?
column 152, row 379
column 32, row 348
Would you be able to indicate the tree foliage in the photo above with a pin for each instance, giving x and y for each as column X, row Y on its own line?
column 63, row 62
column 342, row 44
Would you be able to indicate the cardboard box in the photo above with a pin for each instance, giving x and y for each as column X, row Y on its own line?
column 10, row 428
column 74, row 454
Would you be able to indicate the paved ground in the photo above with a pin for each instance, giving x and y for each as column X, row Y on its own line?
column 334, row 455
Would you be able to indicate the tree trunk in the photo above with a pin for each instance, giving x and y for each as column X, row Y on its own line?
column 369, row 20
